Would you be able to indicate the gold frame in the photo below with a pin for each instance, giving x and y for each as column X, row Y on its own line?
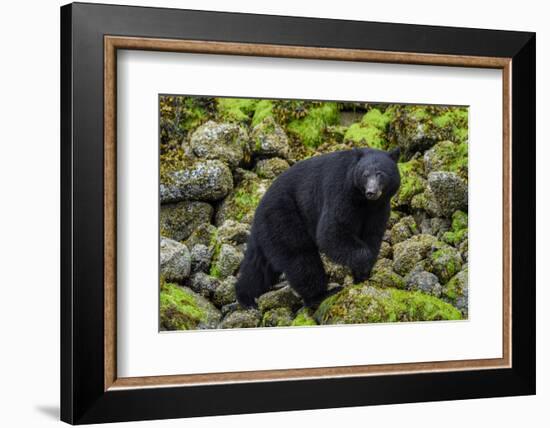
column 113, row 43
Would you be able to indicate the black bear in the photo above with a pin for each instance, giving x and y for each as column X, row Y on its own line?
column 337, row 204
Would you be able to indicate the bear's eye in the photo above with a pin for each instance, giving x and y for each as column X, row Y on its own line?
column 379, row 174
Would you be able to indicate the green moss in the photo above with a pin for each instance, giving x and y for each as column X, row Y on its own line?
column 412, row 182
column 366, row 304
column 303, row 318
column 179, row 115
column 246, row 199
column 179, row 309
column 264, row 108
column 375, row 118
column 310, row 128
column 369, row 136
column 456, row 286
column 459, row 229
column 173, row 160
column 449, row 156
column 236, row 109
column 385, row 278
column 455, row 118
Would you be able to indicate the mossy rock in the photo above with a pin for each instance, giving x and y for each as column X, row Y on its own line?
column 175, row 260
column 385, row 278
column 209, row 180
column 304, row 317
column 459, row 229
column 270, row 168
column 448, row 156
column 226, row 142
column 444, row 262
column 178, row 221
column 403, row 229
column 283, row 297
column 421, row 280
column 407, row 254
column 279, row 317
column 233, row 233
column 225, row 293
column 248, row 318
column 456, row 291
column 416, row 128
column 370, row 131
column 269, row 139
column 310, row 129
column 413, row 182
column 446, row 193
column 225, row 261
column 366, row 304
column 204, row 234
column 182, row 309
column 203, row 284
column 241, row 203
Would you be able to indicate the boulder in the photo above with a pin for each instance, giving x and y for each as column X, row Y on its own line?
column 278, row 317
column 270, row 168
column 444, row 262
column 208, row 180
column 179, row 220
column 241, row 319
column 407, row 254
column 456, row 291
column 226, row 261
column 269, row 139
column 225, row 292
column 203, row 284
column 183, row 309
column 366, row 304
column 426, row 282
column 446, row 193
column 283, row 297
column 175, row 260
column 201, row 257
column 227, row 142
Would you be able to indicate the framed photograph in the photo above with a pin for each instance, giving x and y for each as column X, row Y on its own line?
column 266, row 213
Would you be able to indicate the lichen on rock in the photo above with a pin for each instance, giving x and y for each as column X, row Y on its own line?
column 178, row 221
column 175, row 260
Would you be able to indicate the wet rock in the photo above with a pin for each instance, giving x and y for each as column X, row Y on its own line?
column 426, row 282
column 175, row 260
column 281, row 298
column 279, row 317
column 183, row 309
column 226, row 142
column 241, row 319
column 225, row 292
column 269, row 139
column 366, row 304
column 201, row 256
column 209, row 180
column 178, row 221
column 271, row 168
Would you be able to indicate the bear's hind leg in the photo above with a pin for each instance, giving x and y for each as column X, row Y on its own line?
column 307, row 277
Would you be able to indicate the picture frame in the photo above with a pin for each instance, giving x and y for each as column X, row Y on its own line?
column 91, row 391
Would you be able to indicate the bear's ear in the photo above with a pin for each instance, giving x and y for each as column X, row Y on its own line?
column 394, row 154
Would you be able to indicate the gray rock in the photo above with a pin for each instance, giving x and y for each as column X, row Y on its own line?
column 403, row 229
column 407, row 254
column 225, row 293
column 281, row 298
column 203, row 284
column 178, row 221
column 445, row 194
column 227, row 261
column 435, row 226
column 420, row 280
column 209, row 180
column 233, row 232
column 226, row 142
column 175, row 260
column 269, row 139
column 279, row 317
column 201, row 256
column 249, row 318
column 271, row 168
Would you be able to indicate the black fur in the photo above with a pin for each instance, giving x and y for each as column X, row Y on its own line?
column 337, row 203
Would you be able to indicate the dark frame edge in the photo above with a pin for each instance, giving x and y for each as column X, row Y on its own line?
column 66, row 129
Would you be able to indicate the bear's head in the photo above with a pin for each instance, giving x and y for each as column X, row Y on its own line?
column 375, row 175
